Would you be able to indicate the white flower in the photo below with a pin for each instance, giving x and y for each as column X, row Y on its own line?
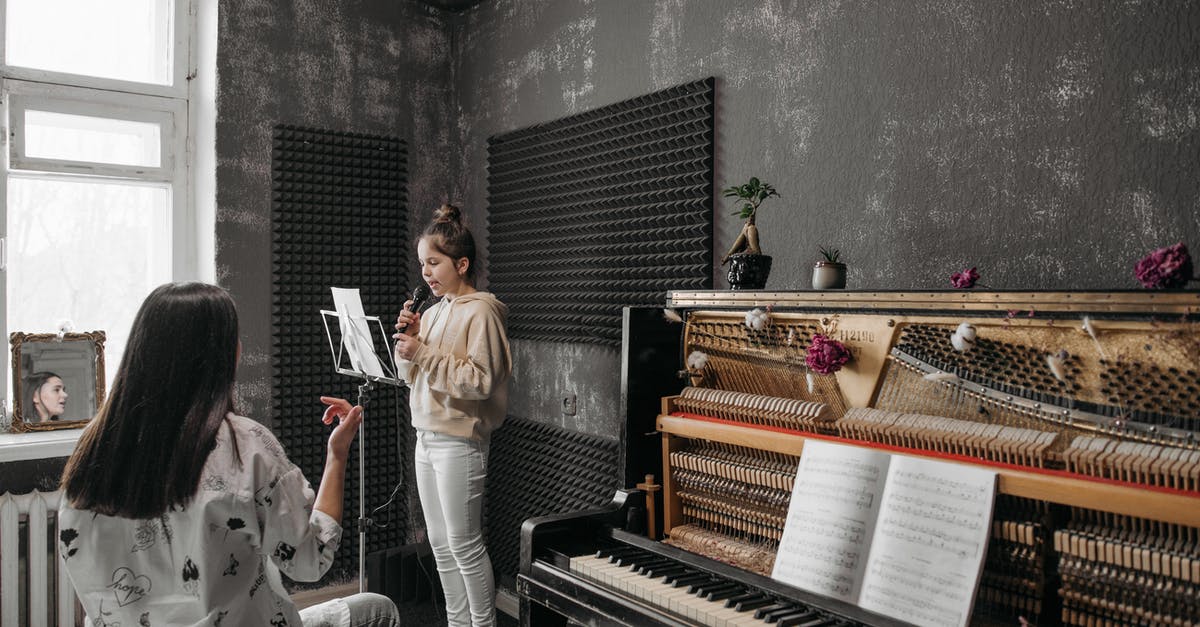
column 696, row 360
column 756, row 319
column 963, row 339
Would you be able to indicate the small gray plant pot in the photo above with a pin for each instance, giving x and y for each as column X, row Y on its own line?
column 828, row 275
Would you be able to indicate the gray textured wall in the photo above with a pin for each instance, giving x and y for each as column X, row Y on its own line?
column 364, row 66
column 1050, row 143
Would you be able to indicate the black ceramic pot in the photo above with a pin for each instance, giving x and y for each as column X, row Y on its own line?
column 748, row 271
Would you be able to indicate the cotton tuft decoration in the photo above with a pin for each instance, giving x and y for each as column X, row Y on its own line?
column 756, row 319
column 811, row 381
column 941, row 377
column 696, row 360
column 1095, row 335
column 963, row 338
column 672, row 316
column 1058, row 365
column 63, row 327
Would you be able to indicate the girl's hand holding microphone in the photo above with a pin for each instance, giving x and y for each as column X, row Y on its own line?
column 408, row 324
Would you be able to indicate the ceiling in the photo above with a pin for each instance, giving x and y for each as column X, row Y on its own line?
column 450, row 5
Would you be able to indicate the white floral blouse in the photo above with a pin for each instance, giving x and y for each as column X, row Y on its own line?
column 215, row 562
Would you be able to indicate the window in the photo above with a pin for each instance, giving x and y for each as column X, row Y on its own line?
column 95, row 187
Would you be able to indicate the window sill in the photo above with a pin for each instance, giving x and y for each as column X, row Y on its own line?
column 15, row 447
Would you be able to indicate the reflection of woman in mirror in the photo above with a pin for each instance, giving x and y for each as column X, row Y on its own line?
column 187, row 511
column 47, row 395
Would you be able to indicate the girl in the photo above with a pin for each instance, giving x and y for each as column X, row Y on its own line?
column 456, row 361
column 179, row 512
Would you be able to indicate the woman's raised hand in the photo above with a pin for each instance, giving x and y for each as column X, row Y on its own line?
column 349, row 418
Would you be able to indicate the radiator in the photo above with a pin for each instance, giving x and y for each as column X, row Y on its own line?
column 34, row 591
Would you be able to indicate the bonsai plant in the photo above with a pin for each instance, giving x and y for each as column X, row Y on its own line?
column 748, row 267
column 829, row 273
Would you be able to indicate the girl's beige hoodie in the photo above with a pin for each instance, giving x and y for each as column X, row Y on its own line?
column 458, row 378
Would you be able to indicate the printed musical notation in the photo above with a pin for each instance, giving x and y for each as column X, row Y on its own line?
column 899, row 535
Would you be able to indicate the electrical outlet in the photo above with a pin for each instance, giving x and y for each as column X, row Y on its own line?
column 569, row 405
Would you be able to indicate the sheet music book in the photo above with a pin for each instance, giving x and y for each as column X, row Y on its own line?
column 898, row 535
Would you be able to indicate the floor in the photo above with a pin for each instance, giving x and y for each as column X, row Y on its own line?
column 430, row 613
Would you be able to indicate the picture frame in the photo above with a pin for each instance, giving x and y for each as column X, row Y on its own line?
column 58, row 379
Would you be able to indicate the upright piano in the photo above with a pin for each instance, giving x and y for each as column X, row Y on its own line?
column 1085, row 404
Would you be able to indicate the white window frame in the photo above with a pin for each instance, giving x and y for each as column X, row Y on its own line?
column 182, row 28
column 169, row 114
column 168, row 105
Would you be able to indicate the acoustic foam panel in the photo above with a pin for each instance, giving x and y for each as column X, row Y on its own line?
column 338, row 219
column 535, row 469
column 600, row 210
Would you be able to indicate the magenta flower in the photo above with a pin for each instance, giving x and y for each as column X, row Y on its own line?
column 826, row 355
column 1165, row 267
column 964, row 279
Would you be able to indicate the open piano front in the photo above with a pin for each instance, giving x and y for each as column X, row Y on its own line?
column 1086, row 404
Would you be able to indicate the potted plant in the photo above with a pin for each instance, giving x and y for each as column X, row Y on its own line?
column 829, row 273
column 748, row 267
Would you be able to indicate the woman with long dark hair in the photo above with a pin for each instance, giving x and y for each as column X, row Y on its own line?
column 455, row 358
column 47, row 397
column 177, row 511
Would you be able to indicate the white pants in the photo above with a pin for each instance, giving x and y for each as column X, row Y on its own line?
column 450, row 478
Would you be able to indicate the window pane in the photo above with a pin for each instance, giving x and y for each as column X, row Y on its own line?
column 121, row 39
column 52, row 135
column 87, row 252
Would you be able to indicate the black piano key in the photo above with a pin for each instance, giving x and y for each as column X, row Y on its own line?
column 746, row 595
column 762, row 612
column 697, row 587
column 720, row 594
column 647, row 566
column 787, row 609
column 665, row 571
column 754, row 602
column 617, row 551
column 689, row 579
column 686, row 572
column 625, row 560
column 802, row 618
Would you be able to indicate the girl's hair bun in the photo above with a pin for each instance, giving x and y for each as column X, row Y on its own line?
column 447, row 213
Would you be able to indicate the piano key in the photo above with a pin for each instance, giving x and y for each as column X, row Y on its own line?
column 675, row 599
column 688, row 579
column 744, row 595
column 618, row 551
column 809, row 619
column 720, row 594
column 650, row 564
column 749, row 601
column 698, row 587
column 665, row 571
column 790, row 610
column 775, row 607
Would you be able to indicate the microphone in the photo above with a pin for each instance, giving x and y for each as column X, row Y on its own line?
column 420, row 294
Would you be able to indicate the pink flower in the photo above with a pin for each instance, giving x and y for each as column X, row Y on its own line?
column 964, row 279
column 1165, row 267
column 826, row 355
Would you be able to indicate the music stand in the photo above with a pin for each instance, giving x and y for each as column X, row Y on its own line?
column 357, row 341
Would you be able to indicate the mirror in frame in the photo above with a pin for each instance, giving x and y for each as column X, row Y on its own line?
column 58, row 379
